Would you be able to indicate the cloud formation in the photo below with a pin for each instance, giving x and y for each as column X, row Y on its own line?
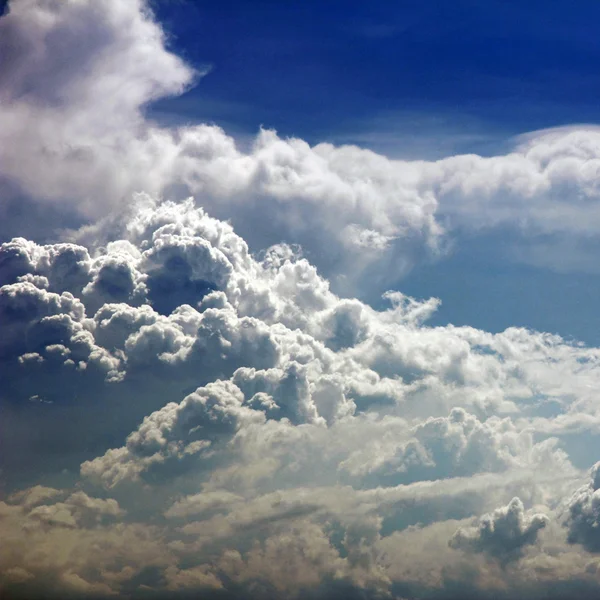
column 215, row 394
column 584, row 512
column 502, row 534
column 85, row 72
column 191, row 406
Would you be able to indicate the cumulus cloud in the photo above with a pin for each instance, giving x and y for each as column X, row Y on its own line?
column 284, row 375
column 357, row 214
column 189, row 406
column 213, row 397
column 502, row 534
column 584, row 513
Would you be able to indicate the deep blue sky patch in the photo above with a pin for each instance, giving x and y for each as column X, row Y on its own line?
column 349, row 70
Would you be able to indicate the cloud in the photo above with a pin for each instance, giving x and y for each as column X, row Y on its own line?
column 176, row 432
column 439, row 447
column 33, row 496
column 74, row 547
column 214, row 396
column 189, row 406
column 502, row 534
column 61, row 58
column 85, row 71
column 584, row 512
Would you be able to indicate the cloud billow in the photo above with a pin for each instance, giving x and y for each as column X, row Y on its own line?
column 584, row 513
column 503, row 534
column 235, row 394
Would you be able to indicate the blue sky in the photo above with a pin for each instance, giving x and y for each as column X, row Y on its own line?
column 415, row 80
column 326, row 70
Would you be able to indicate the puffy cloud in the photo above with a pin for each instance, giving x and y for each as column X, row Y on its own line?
column 456, row 445
column 277, row 375
column 357, row 214
column 503, row 534
column 44, row 326
column 584, row 513
column 295, row 349
column 225, row 421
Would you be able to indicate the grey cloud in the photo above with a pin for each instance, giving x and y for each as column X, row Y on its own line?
column 65, row 266
column 584, row 513
column 115, row 278
column 503, row 534
column 52, row 326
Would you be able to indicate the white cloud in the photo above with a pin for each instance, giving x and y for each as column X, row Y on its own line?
column 357, row 214
column 238, row 425
column 310, row 412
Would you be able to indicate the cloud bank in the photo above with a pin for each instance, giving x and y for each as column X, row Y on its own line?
column 84, row 73
column 193, row 400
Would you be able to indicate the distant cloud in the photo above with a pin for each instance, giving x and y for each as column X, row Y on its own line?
column 502, row 534
column 584, row 513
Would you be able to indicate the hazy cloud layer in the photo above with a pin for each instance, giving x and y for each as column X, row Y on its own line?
column 191, row 407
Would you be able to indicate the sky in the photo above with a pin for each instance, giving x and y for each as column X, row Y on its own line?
column 417, row 80
column 298, row 300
